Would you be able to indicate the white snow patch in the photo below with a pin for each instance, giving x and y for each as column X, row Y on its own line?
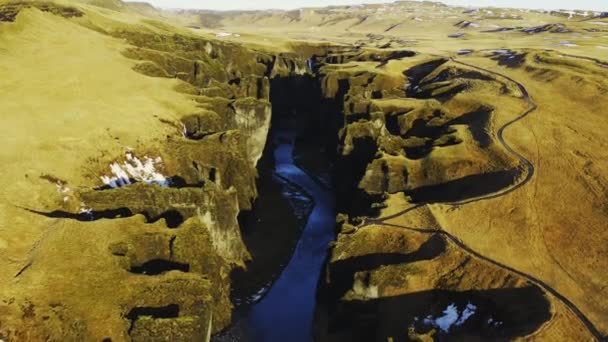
column 85, row 210
column 223, row 34
column 602, row 47
column 64, row 191
column 184, row 131
column 599, row 23
column 258, row 295
column 465, row 51
column 469, row 311
column 494, row 323
column 445, row 322
column 136, row 169
column 62, row 188
column 566, row 43
column 207, row 219
column 451, row 317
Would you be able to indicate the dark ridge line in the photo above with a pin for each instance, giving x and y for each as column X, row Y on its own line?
column 533, row 107
column 174, row 182
column 601, row 16
column 361, row 21
column 393, row 27
column 86, row 216
column 52, row 179
column 164, row 312
column 503, row 29
column 23, row 269
column 172, row 245
column 173, row 218
column 600, row 63
column 158, row 267
column 603, row 64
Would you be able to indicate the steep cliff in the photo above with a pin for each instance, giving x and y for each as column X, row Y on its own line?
column 136, row 240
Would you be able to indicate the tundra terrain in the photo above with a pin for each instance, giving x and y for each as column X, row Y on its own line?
column 408, row 171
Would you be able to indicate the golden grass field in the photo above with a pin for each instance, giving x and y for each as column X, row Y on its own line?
column 86, row 82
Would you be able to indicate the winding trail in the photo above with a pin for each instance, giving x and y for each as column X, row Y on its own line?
column 599, row 63
column 530, row 170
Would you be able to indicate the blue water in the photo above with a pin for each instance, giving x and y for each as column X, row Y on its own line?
column 286, row 312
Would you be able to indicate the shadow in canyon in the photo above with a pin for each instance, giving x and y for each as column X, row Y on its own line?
column 464, row 188
column 499, row 315
column 341, row 273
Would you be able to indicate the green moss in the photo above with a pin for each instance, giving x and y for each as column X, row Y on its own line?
column 179, row 329
column 446, row 140
column 356, row 104
column 203, row 60
column 217, row 89
column 151, row 69
column 195, row 303
column 10, row 10
column 391, row 144
column 187, row 88
column 373, row 181
column 414, row 142
column 201, row 124
column 219, row 160
column 171, row 63
column 115, row 5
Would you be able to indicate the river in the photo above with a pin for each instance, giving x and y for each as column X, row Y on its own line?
column 286, row 310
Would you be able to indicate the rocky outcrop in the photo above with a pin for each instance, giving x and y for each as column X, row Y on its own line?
column 406, row 141
column 402, row 127
column 10, row 10
column 214, row 161
column 388, row 283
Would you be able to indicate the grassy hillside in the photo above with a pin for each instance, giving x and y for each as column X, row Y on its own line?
column 78, row 98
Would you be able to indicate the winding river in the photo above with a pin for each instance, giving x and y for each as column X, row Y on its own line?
column 286, row 312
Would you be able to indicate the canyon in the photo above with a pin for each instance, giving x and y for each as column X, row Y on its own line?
column 272, row 175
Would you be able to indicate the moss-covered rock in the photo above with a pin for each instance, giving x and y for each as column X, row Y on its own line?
column 10, row 10
column 197, row 126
